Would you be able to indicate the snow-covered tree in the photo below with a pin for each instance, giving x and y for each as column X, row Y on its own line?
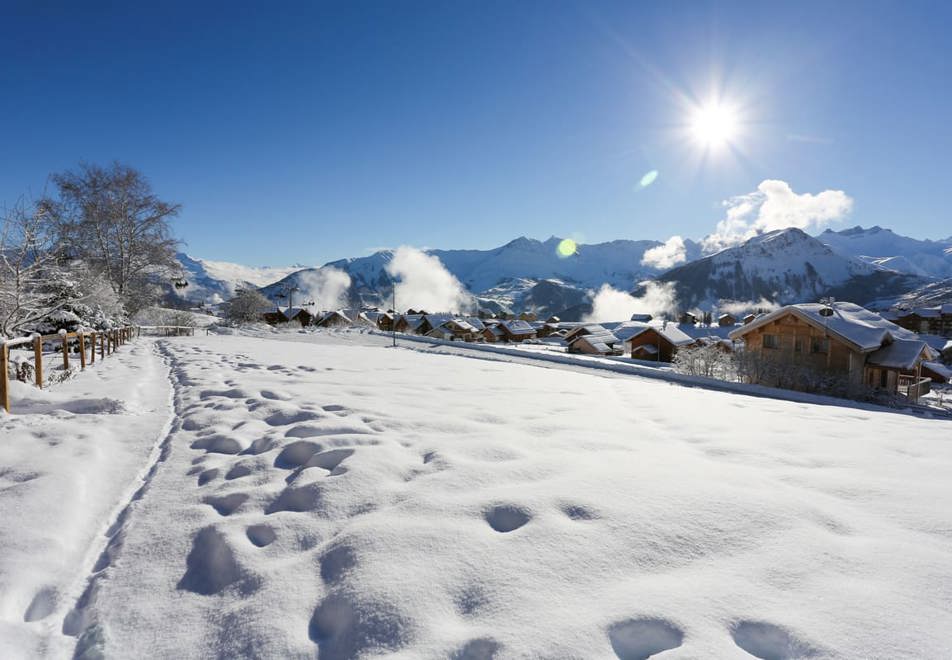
column 26, row 261
column 246, row 306
column 109, row 219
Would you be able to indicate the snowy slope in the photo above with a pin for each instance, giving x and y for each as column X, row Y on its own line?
column 215, row 281
column 783, row 266
column 888, row 249
column 333, row 496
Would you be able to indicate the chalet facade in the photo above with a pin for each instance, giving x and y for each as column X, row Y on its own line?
column 846, row 340
column 725, row 320
column 517, row 330
column 296, row 314
column 927, row 320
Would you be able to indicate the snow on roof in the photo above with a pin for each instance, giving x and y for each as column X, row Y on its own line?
column 475, row 321
column 584, row 329
column 939, row 369
column 671, row 332
column 603, row 337
column 437, row 320
column 651, row 349
column 518, row 327
column 853, row 324
column 291, row 312
column 628, row 329
column 900, row 354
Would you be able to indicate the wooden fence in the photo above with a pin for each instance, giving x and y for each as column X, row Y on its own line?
column 84, row 346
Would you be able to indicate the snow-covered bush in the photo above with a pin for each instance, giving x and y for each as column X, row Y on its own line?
column 709, row 360
column 162, row 316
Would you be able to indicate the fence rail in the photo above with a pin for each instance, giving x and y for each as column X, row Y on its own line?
column 73, row 345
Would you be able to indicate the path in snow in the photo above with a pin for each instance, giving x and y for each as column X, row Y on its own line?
column 354, row 500
column 69, row 455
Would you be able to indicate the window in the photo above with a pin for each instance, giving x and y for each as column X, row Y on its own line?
column 771, row 341
column 798, row 344
column 820, row 345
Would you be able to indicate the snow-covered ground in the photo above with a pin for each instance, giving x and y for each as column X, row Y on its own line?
column 327, row 494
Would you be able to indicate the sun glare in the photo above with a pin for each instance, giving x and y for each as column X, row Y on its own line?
column 714, row 125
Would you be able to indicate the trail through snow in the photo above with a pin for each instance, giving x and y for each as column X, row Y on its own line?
column 69, row 456
column 332, row 496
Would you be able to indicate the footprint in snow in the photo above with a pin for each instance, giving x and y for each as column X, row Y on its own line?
column 227, row 504
column 507, row 518
column 483, row 648
column 639, row 639
column 261, row 535
column 770, row 642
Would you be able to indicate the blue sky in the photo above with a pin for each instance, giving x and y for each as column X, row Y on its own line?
column 304, row 132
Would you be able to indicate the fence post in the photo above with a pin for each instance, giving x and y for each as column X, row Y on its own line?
column 82, row 350
column 102, row 344
column 38, row 360
column 92, row 348
column 4, row 376
column 65, row 351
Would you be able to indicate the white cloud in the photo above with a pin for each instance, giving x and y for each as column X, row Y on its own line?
column 327, row 287
column 610, row 304
column 424, row 283
column 772, row 206
column 740, row 307
column 667, row 255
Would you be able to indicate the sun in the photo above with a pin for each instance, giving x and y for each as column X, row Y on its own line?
column 714, row 125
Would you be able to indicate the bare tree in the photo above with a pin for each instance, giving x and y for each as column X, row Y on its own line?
column 26, row 260
column 246, row 306
column 110, row 219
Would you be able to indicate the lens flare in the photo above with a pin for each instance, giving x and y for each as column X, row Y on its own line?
column 567, row 247
column 648, row 179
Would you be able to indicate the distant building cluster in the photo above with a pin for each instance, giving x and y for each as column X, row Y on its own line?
column 899, row 353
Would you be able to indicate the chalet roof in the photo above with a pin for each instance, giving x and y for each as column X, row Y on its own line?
column 939, row 369
column 670, row 332
column 460, row 325
column 335, row 314
column 900, row 354
column 584, row 329
column 475, row 321
column 650, row 349
column 725, row 316
column 291, row 312
column 642, row 318
column 857, row 326
column 518, row 327
column 626, row 330
column 436, row 320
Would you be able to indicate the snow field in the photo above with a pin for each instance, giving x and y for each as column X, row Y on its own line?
column 354, row 501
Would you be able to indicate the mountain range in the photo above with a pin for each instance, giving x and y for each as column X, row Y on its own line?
column 874, row 267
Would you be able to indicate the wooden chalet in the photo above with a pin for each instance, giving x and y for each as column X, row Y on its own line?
column 658, row 343
column 927, row 320
column 287, row 315
column 595, row 343
column 725, row 320
column 842, row 339
column 748, row 318
column 335, row 319
column 517, row 330
column 456, row 329
column 687, row 318
column 492, row 333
